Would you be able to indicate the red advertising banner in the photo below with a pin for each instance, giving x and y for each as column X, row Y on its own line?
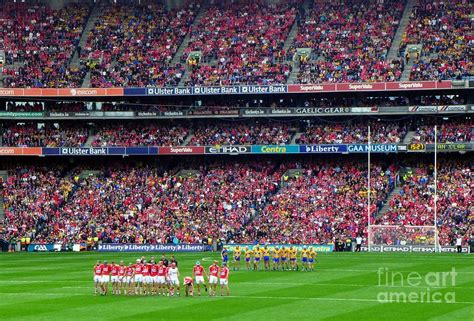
column 181, row 150
column 361, row 86
column 18, row 151
column 61, row 92
column 312, row 88
column 411, row 85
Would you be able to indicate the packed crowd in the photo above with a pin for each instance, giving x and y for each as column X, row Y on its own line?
column 343, row 133
column 130, row 134
column 42, row 41
column 302, row 201
column 349, row 42
column 325, row 200
column 246, row 42
column 414, row 204
column 211, row 133
column 443, row 30
column 448, row 132
column 258, row 133
column 134, row 45
column 49, row 135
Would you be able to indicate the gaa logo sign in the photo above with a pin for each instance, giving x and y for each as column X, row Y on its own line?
column 40, row 248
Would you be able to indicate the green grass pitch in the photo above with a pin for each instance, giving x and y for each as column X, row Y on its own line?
column 345, row 286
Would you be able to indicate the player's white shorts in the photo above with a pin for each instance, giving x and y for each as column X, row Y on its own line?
column 114, row 278
column 130, row 279
column 213, row 279
column 147, row 279
column 224, row 282
column 199, row 279
column 105, row 279
column 138, row 278
column 97, row 278
column 161, row 280
column 174, row 281
column 154, row 279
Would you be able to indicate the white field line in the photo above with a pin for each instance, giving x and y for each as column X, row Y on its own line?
column 271, row 283
column 260, row 298
column 331, row 299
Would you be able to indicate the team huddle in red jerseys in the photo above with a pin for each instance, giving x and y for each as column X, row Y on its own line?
column 158, row 278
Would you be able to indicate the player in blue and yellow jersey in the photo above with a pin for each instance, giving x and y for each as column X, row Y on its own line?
column 237, row 255
column 304, row 259
column 266, row 258
column 284, row 258
column 276, row 258
column 312, row 257
column 248, row 257
column 257, row 255
column 293, row 253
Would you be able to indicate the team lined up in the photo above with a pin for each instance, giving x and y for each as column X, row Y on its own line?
column 275, row 258
column 158, row 278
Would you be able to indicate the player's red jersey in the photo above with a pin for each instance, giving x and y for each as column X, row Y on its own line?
column 146, row 269
column 224, row 273
column 153, row 269
column 198, row 270
column 213, row 270
column 161, row 270
column 122, row 270
column 114, row 270
column 138, row 268
column 130, row 271
column 106, row 269
column 98, row 270
column 188, row 280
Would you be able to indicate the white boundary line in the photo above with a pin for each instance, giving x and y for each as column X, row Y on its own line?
column 331, row 299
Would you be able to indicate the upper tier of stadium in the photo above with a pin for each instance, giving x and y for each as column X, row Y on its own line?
column 150, row 43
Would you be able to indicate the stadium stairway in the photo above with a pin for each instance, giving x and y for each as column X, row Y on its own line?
column 90, row 139
column 93, row 17
column 397, row 39
column 408, row 137
column 407, row 71
column 295, row 137
column 185, row 43
column 188, row 138
column 386, row 207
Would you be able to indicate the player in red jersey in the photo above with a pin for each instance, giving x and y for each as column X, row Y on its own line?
column 188, row 284
column 213, row 276
column 224, row 278
column 154, row 276
column 130, row 279
column 121, row 278
column 162, row 285
column 97, row 276
column 114, row 277
column 138, row 277
column 104, row 284
column 146, row 278
column 199, row 273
